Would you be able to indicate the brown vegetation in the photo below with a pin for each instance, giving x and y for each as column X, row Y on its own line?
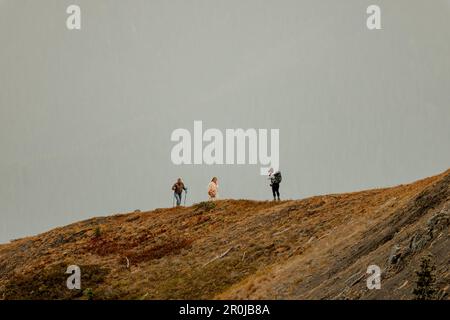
column 314, row 248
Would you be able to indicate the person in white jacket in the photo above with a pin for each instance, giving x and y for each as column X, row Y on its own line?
column 213, row 189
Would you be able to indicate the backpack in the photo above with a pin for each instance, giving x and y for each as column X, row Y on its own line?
column 277, row 177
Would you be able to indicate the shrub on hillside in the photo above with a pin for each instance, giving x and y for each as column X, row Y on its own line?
column 205, row 206
column 425, row 283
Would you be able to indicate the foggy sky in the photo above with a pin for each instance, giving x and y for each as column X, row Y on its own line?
column 86, row 116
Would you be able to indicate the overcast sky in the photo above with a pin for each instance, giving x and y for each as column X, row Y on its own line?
column 86, row 116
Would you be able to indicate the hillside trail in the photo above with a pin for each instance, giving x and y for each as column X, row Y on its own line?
column 314, row 248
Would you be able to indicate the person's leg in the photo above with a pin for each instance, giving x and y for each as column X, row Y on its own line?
column 178, row 198
column 274, row 191
column 277, row 190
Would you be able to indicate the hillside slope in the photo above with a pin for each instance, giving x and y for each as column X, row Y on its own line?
column 316, row 248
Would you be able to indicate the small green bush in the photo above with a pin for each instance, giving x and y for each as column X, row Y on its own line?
column 425, row 283
column 97, row 232
column 206, row 206
column 89, row 293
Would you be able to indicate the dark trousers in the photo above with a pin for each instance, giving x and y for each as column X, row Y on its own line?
column 178, row 197
column 276, row 190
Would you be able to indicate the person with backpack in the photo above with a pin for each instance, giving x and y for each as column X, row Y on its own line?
column 213, row 189
column 275, row 180
column 178, row 188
